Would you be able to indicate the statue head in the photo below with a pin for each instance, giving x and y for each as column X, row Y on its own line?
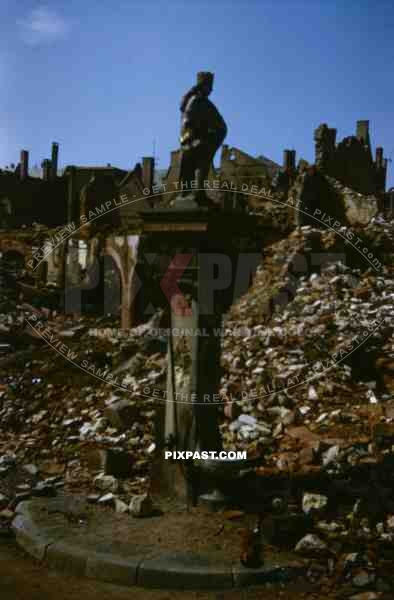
column 205, row 82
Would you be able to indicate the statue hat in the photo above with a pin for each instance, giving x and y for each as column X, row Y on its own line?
column 204, row 77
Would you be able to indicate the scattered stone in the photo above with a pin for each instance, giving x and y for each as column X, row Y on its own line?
column 141, row 506
column 31, row 469
column 93, row 498
column 50, row 467
column 247, row 420
column 322, row 418
column 7, row 514
column 120, row 506
column 43, row 489
column 390, row 523
column 232, row 410
column 100, row 425
column 121, row 414
column 303, row 435
column 231, row 515
column 306, row 456
column 331, row 455
column 367, row 596
column 86, row 430
column 106, row 499
column 331, row 528
column 106, row 483
column 21, row 497
column 8, row 460
column 383, row 433
column 314, row 504
column 23, row 487
column 311, row 545
column 363, row 578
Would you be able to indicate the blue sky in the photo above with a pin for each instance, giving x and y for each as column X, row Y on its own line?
column 104, row 79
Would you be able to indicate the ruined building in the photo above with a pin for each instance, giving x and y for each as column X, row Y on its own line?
column 242, row 171
column 345, row 182
column 52, row 199
column 351, row 161
column 25, row 200
column 236, row 168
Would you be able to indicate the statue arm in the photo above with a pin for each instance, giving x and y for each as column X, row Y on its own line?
column 204, row 122
column 194, row 112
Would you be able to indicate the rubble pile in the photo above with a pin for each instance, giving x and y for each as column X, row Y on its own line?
column 273, row 213
column 308, row 373
column 73, row 430
column 308, row 369
column 312, row 351
column 359, row 208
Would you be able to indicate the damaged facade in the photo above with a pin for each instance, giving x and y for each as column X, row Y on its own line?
column 351, row 161
column 345, row 181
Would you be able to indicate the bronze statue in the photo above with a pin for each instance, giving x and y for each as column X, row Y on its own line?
column 202, row 133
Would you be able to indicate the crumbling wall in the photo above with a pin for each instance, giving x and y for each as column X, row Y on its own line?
column 350, row 161
column 31, row 200
column 94, row 195
column 324, row 147
column 315, row 194
column 131, row 192
column 352, row 165
column 241, row 172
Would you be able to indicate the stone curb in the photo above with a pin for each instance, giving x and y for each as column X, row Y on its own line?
column 130, row 565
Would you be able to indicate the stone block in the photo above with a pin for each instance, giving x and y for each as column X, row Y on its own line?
column 179, row 570
column 67, row 558
column 112, row 569
column 35, row 541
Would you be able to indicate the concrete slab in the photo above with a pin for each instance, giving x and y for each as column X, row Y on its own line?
column 181, row 570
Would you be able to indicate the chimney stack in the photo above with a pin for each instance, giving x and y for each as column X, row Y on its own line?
column 46, row 169
column 289, row 160
column 362, row 132
column 332, row 136
column 24, row 165
column 54, row 160
column 379, row 157
column 293, row 159
column 286, row 159
column 148, row 167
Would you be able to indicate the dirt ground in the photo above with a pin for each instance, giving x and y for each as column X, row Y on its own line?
column 216, row 534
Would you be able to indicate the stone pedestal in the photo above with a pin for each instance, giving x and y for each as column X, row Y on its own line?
column 196, row 239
